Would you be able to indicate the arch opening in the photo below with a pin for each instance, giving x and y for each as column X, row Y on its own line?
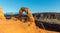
column 24, row 16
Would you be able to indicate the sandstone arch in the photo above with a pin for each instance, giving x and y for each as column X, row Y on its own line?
column 30, row 17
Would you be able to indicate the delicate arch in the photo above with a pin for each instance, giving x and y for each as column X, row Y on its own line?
column 30, row 17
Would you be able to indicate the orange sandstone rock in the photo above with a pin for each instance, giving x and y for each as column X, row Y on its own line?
column 1, row 14
column 18, row 26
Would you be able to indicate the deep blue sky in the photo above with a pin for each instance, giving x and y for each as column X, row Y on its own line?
column 34, row 5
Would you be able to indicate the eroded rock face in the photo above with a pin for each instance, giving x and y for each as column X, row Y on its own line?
column 1, row 14
column 29, row 18
column 18, row 26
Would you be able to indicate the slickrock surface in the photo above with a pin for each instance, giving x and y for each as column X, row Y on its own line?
column 18, row 26
column 1, row 14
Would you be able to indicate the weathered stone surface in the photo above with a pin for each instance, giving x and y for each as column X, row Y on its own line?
column 1, row 14
column 18, row 26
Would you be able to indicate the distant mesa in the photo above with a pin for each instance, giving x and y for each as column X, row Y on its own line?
column 50, row 15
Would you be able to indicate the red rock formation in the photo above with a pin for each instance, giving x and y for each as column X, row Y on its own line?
column 17, row 26
column 1, row 14
column 29, row 18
